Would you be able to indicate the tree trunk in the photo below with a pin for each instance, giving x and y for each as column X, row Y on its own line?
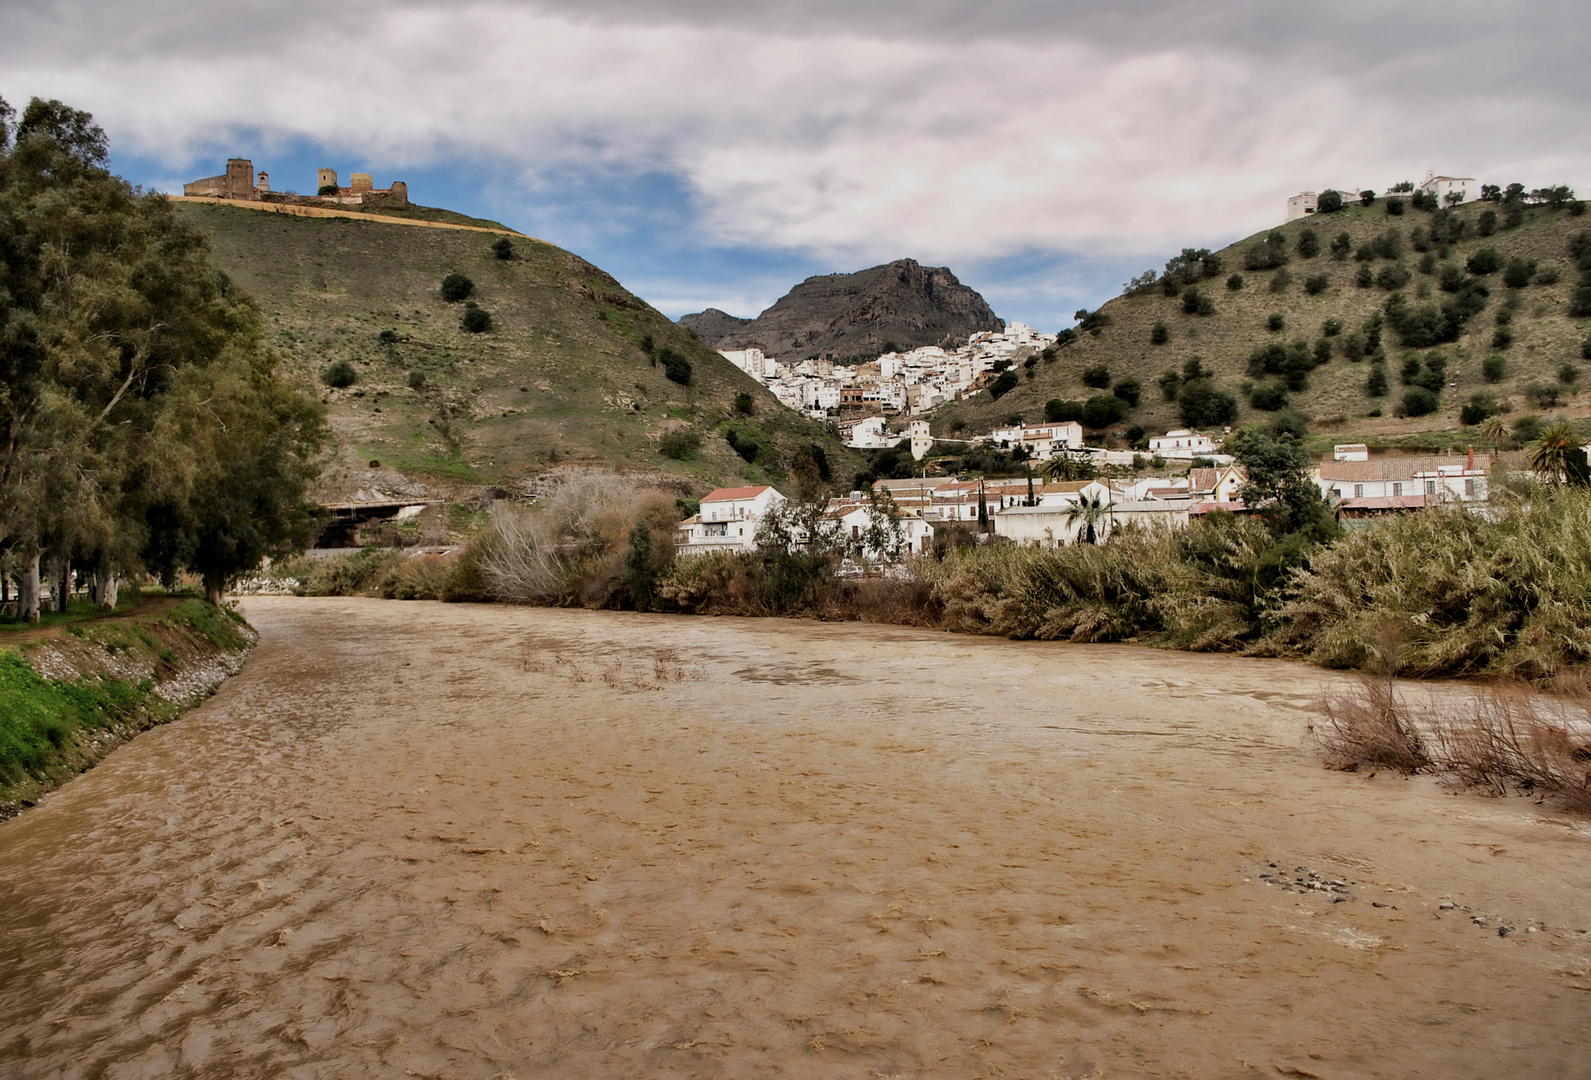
column 28, row 589
column 213, row 590
column 106, row 586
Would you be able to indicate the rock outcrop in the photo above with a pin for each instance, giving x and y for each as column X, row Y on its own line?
column 899, row 305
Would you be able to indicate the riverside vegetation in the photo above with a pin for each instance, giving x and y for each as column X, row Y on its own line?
column 74, row 691
column 1506, row 595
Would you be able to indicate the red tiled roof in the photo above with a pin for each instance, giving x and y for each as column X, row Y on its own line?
column 1391, row 467
column 728, row 494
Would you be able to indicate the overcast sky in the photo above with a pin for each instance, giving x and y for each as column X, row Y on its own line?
column 715, row 152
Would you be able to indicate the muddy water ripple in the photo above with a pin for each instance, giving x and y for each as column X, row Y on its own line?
column 466, row 841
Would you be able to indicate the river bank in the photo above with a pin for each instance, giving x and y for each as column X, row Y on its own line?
column 481, row 840
column 72, row 693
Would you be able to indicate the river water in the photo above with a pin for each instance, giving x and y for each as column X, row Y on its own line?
column 474, row 841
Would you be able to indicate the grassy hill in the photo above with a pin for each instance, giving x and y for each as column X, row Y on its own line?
column 1539, row 337
column 562, row 376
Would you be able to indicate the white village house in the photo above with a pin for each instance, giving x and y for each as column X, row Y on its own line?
column 1182, row 445
column 1383, row 484
column 727, row 520
column 916, row 535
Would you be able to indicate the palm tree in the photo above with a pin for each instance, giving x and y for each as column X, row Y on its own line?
column 1090, row 510
column 1494, row 430
column 1550, row 458
column 1063, row 467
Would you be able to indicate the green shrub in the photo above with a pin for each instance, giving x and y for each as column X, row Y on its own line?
column 1281, row 280
column 1195, row 302
column 1395, row 207
column 416, row 380
column 1341, row 246
column 1103, row 410
column 1568, row 374
column 1309, row 242
column 1269, row 396
column 1585, row 349
column 1275, row 323
column 503, row 248
column 1129, row 390
column 1418, row 401
column 456, row 287
column 1477, row 409
column 1170, row 383
column 1518, row 273
column 1328, row 202
column 1235, row 282
column 1392, row 278
column 675, row 367
column 1376, row 385
column 745, row 405
column 1160, row 334
column 1057, row 411
column 1097, row 376
column 1331, row 328
column 1483, row 262
column 1502, row 338
column 1268, row 253
column 747, row 447
column 1364, row 278
column 388, row 337
column 1316, row 284
column 679, row 444
column 1493, row 368
column 1003, row 385
column 476, row 320
column 326, row 189
column 339, row 374
column 1202, row 405
column 1486, row 224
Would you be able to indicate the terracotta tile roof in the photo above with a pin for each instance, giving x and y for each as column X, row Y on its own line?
column 1391, row 467
column 728, row 494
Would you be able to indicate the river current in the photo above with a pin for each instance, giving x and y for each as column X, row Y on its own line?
column 415, row 839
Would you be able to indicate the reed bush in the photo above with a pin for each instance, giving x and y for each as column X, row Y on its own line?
column 1464, row 595
column 572, row 547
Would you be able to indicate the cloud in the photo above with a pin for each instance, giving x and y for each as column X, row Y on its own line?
column 951, row 131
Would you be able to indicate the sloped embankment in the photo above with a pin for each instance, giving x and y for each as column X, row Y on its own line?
column 68, row 699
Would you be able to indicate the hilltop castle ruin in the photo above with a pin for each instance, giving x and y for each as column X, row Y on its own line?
column 241, row 182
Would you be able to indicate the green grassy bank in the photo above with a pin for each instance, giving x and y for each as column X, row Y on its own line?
column 71, row 693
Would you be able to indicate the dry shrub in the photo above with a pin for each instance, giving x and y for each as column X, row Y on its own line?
column 1371, row 727
column 1500, row 739
column 356, row 574
column 422, row 577
column 571, row 547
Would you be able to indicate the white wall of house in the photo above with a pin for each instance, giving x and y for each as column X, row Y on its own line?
column 1182, row 445
column 727, row 520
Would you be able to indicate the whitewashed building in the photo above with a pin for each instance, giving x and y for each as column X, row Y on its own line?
column 727, row 520
column 1182, row 445
column 1461, row 189
column 1389, row 483
column 752, row 362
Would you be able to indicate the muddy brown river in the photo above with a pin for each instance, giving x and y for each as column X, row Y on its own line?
column 468, row 841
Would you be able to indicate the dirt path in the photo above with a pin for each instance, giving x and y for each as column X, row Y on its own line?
column 466, row 841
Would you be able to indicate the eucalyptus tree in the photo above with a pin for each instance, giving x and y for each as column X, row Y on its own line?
column 143, row 422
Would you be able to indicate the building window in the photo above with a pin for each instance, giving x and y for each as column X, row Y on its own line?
column 1358, row 491
column 1397, row 489
column 1430, row 487
column 1469, row 488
